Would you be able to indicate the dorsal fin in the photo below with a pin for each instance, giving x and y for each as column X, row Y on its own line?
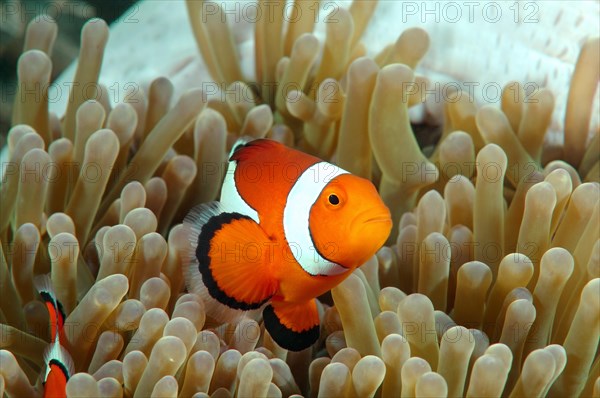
column 239, row 144
column 56, row 354
column 43, row 284
column 245, row 146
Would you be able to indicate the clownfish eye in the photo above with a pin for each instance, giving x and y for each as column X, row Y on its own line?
column 333, row 199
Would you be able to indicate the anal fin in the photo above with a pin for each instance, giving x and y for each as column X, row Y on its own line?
column 229, row 264
column 294, row 326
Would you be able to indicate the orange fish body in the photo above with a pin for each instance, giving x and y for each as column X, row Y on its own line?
column 288, row 228
column 59, row 366
column 57, row 374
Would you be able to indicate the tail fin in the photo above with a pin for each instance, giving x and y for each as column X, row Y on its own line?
column 225, row 262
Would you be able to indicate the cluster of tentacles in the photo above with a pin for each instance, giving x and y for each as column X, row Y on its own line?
column 489, row 285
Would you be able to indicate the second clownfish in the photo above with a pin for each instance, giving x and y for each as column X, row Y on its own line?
column 59, row 365
column 288, row 227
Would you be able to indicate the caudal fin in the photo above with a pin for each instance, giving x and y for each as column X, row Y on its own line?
column 227, row 262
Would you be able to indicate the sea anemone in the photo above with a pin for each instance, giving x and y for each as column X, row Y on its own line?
column 488, row 286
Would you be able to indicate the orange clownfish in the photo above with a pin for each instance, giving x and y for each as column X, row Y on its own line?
column 59, row 365
column 288, row 227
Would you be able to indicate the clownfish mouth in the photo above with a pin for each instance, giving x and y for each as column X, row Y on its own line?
column 382, row 218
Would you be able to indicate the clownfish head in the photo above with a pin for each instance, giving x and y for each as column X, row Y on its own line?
column 349, row 222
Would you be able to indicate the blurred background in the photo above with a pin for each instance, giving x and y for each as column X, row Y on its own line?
column 70, row 16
